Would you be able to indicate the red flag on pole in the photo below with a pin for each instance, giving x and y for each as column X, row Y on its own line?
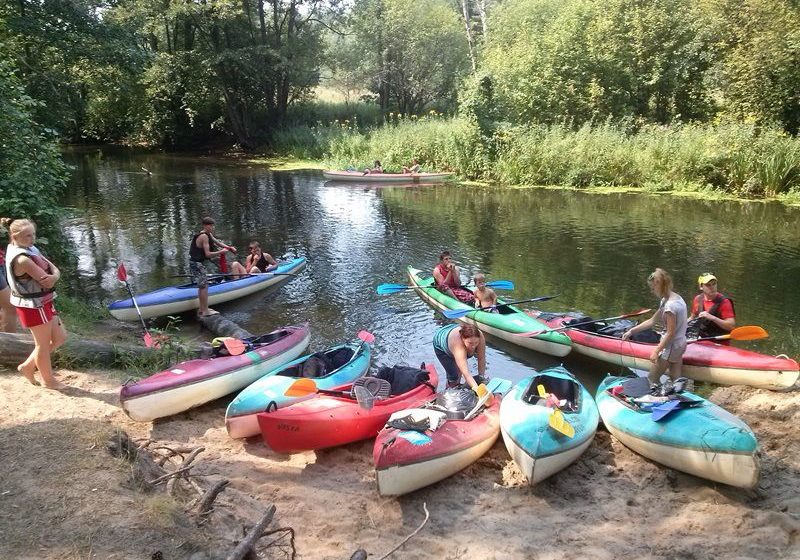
column 122, row 274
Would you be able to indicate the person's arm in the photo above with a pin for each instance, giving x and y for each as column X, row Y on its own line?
column 726, row 310
column 270, row 259
column 695, row 310
column 644, row 325
column 671, row 323
column 24, row 265
column 460, row 357
column 203, row 239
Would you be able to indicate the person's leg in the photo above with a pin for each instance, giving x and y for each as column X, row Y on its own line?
column 238, row 269
column 657, row 369
column 59, row 334
column 42, row 334
column 8, row 313
column 202, row 295
column 450, row 367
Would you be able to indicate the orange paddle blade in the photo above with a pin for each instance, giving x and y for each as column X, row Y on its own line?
column 234, row 346
column 749, row 332
column 301, row 388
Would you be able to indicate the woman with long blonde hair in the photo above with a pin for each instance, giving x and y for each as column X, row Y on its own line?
column 31, row 278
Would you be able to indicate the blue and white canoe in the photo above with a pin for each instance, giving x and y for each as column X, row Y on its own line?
column 179, row 299
column 539, row 450
column 704, row 440
column 348, row 362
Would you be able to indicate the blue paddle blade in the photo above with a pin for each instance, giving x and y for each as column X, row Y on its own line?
column 662, row 410
column 501, row 284
column 386, row 289
column 457, row 313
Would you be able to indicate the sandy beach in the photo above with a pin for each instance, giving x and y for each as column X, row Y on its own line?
column 64, row 496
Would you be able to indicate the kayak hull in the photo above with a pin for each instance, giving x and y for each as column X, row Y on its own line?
column 329, row 421
column 241, row 417
column 358, row 176
column 702, row 361
column 504, row 326
column 408, row 461
column 195, row 382
column 179, row 299
column 538, row 449
column 706, row 441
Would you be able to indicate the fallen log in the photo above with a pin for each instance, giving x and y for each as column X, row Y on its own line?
column 14, row 348
column 143, row 469
column 221, row 326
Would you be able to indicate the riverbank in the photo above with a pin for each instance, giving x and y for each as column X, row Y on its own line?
column 63, row 496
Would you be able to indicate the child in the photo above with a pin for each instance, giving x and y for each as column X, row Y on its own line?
column 484, row 297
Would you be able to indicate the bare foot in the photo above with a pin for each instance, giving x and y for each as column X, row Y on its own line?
column 56, row 386
column 28, row 373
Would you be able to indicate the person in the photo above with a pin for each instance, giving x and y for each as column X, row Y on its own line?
column 8, row 313
column 670, row 322
column 712, row 312
column 31, row 277
column 378, row 168
column 203, row 247
column 447, row 278
column 413, row 168
column 484, row 296
column 258, row 261
column 453, row 345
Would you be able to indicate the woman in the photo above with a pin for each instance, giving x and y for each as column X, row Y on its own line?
column 258, row 261
column 31, row 278
column 448, row 279
column 453, row 345
column 377, row 169
column 670, row 322
column 8, row 314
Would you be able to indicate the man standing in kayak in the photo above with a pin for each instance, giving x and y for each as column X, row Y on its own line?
column 203, row 248
column 712, row 311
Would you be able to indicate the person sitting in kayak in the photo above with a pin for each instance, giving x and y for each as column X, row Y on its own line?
column 202, row 248
column 453, row 345
column 378, row 168
column 448, row 279
column 413, row 168
column 484, row 296
column 258, row 261
column 712, row 312
column 670, row 321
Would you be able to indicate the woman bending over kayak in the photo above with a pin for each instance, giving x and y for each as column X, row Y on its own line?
column 448, row 279
column 670, row 322
column 258, row 261
column 453, row 345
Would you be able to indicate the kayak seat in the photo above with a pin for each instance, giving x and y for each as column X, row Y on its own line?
column 314, row 366
column 268, row 338
column 403, row 378
column 564, row 389
column 338, row 357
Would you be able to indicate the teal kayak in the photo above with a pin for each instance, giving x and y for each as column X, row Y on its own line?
column 347, row 362
column 704, row 439
column 507, row 324
column 538, row 449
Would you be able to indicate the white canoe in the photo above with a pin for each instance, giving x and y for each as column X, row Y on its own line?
column 359, row 177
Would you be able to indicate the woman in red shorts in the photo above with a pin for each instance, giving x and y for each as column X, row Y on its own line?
column 31, row 278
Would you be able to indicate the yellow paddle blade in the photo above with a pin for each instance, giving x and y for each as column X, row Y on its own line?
column 749, row 332
column 541, row 390
column 481, row 390
column 301, row 388
column 560, row 424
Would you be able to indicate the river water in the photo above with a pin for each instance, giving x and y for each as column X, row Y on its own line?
column 594, row 250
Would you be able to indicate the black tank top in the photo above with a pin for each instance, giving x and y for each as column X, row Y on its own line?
column 261, row 263
column 196, row 254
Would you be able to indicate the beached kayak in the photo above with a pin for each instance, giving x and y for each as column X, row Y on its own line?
column 703, row 361
column 359, row 177
column 329, row 421
column 195, row 382
column 407, row 460
column 178, row 299
column 538, row 449
column 504, row 324
column 333, row 368
column 704, row 440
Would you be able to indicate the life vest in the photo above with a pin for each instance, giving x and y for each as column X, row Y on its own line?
column 261, row 263
column 708, row 328
column 196, row 254
column 26, row 291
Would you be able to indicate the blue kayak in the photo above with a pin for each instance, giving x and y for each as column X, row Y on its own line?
column 538, row 449
column 178, row 299
column 342, row 365
column 698, row 437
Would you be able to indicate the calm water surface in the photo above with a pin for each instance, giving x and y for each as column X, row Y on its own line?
column 593, row 250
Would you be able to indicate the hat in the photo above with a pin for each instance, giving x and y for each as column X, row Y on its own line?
column 705, row 278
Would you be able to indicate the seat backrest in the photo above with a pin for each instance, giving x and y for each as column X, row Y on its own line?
column 403, row 378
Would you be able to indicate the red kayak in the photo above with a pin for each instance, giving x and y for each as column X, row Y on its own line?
column 408, row 460
column 328, row 420
column 703, row 361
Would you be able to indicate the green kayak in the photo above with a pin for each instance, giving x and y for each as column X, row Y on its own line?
column 505, row 324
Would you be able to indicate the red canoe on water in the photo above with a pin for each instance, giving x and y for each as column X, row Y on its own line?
column 703, row 361
column 329, row 421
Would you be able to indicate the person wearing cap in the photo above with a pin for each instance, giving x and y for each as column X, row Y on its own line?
column 712, row 312
column 204, row 247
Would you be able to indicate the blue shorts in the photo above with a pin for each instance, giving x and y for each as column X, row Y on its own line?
column 451, row 369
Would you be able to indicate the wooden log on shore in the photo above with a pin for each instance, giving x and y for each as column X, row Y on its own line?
column 221, row 326
column 15, row 347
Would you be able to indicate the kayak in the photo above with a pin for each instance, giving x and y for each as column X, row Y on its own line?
column 538, row 449
column 329, row 421
column 347, row 362
column 407, row 460
column 503, row 325
column 704, row 440
column 358, row 176
column 195, row 382
column 702, row 361
column 178, row 299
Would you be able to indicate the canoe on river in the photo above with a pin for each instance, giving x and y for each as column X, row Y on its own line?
column 359, row 177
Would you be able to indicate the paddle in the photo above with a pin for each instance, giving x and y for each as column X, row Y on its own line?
column 305, row 387
column 661, row 410
column 556, row 419
column 572, row 326
column 387, row 289
column 747, row 332
column 457, row 313
column 234, row 346
column 485, row 395
column 122, row 275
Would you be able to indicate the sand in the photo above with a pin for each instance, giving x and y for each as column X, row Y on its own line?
column 63, row 496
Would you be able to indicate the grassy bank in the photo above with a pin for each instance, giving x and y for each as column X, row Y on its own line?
column 732, row 160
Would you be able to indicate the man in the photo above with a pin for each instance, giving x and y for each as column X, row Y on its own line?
column 203, row 248
column 712, row 312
